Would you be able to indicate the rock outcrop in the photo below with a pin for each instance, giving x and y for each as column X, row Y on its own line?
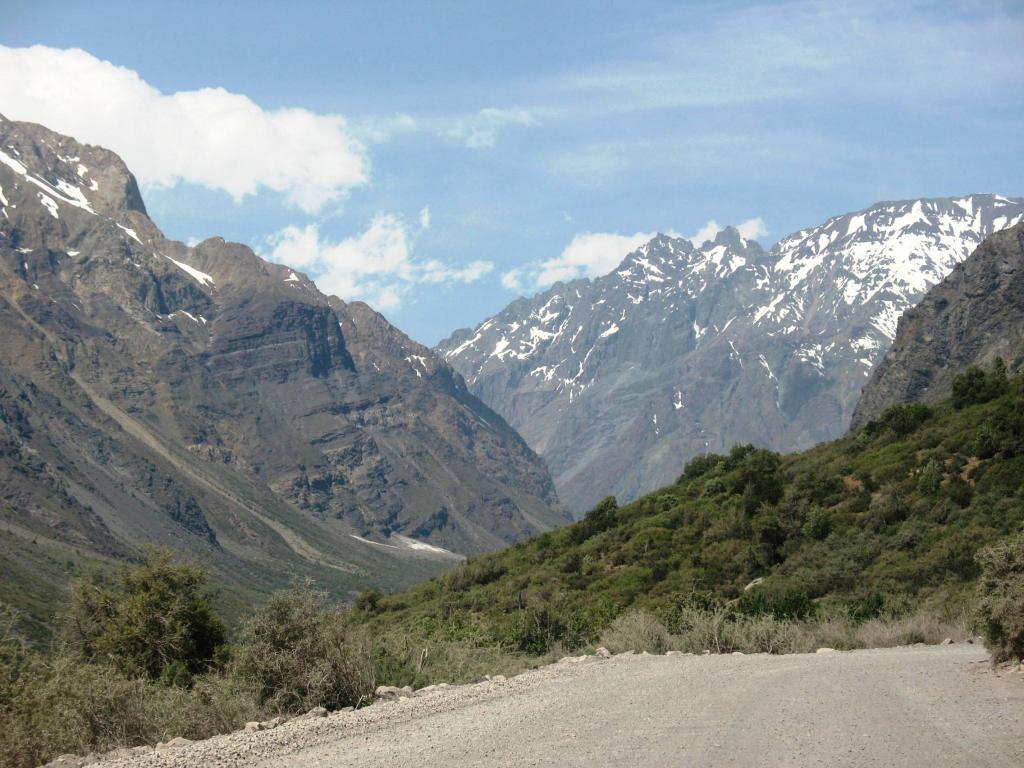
column 972, row 317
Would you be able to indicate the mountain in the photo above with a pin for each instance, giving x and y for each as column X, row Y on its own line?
column 684, row 349
column 205, row 399
column 973, row 316
column 883, row 521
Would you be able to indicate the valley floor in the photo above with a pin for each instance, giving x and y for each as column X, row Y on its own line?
column 913, row 706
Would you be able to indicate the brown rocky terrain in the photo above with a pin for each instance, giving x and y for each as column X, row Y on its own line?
column 205, row 399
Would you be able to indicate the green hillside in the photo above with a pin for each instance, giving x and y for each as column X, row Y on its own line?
column 883, row 521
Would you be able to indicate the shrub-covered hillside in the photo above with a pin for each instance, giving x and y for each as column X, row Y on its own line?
column 883, row 520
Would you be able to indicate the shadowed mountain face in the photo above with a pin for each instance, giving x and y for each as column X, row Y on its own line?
column 618, row 381
column 972, row 317
column 209, row 400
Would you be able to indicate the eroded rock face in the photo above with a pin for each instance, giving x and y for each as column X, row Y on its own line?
column 207, row 399
column 973, row 316
column 684, row 349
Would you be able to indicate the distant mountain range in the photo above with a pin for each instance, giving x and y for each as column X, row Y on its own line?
column 205, row 399
column 685, row 349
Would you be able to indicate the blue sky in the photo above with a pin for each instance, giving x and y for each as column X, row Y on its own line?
column 438, row 159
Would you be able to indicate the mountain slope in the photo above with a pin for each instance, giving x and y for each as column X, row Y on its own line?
column 208, row 400
column 886, row 518
column 617, row 381
column 973, row 316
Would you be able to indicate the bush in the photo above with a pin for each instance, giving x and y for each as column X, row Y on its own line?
column 790, row 604
column 1001, row 598
column 930, row 478
column 975, row 386
column 62, row 705
column 600, row 518
column 700, row 466
column 155, row 621
column 297, row 653
column 638, row 631
column 903, row 419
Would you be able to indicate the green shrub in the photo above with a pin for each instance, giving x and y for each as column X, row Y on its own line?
column 472, row 573
column 903, row 420
column 600, row 518
column 975, row 386
column 297, row 653
column 155, row 621
column 785, row 604
column 368, row 601
column 930, row 478
column 62, row 705
column 818, row 524
column 700, row 466
column 1001, row 598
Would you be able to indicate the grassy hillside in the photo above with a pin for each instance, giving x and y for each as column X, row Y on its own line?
column 881, row 522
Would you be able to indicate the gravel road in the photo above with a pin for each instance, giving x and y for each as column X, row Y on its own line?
column 920, row 706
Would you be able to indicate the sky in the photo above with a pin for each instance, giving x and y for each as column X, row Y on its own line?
column 438, row 159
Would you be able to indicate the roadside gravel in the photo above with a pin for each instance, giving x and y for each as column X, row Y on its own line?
column 919, row 706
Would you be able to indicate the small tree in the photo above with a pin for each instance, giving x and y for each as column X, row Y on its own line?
column 1001, row 598
column 154, row 622
column 298, row 653
column 975, row 386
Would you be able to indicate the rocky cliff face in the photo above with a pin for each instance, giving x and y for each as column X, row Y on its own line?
column 973, row 316
column 204, row 398
column 683, row 349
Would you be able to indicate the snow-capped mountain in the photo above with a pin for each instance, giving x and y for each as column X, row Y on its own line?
column 973, row 316
column 619, row 380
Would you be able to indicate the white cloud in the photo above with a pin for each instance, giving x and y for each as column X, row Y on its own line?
column 590, row 254
column 482, row 129
column 383, row 129
column 425, row 218
column 376, row 266
column 212, row 137
column 751, row 229
column 707, row 232
column 512, row 280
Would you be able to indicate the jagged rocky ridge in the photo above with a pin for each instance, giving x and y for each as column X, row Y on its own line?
column 973, row 316
column 209, row 400
column 683, row 349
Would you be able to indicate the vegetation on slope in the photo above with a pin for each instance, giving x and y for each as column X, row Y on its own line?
column 879, row 523
column 900, row 533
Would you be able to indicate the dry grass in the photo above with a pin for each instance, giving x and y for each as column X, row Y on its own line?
column 639, row 631
column 723, row 631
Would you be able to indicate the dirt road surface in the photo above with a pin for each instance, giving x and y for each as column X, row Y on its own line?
column 920, row 706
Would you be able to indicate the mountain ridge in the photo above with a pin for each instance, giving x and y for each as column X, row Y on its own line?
column 689, row 348
column 206, row 399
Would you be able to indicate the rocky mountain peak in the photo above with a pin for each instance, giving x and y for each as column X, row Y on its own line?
column 617, row 381
column 67, row 172
column 205, row 399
